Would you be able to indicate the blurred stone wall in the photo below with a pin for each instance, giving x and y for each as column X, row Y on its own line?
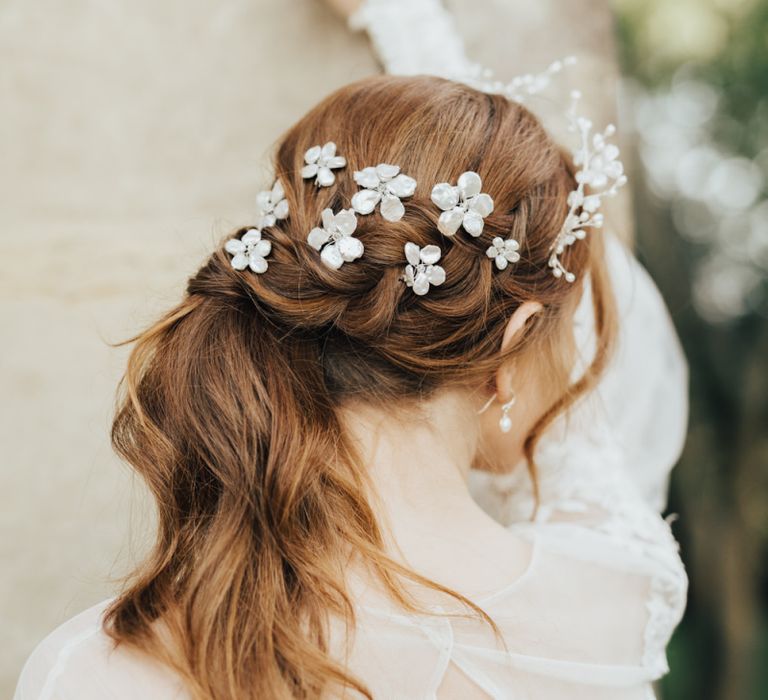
column 133, row 134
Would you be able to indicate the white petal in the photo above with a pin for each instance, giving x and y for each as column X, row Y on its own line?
column 240, row 261
column 234, row 246
column 430, row 254
column 251, row 236
column 611, row 152
column 386, row 171
column 262, row 248
column 312, row 155
column 350, row 248
column 421, row 283
column 327, row 218
column 470, row 183
column 318, row 236
column 409, row 275
column 345, row 222
column 512, row 256
column 329, row 150
column 445, row 196
column 266, row 221
column 365, row 201
column 264, row 200
column 309, row 171
column 336, row 162
column 482, row 204
column 591, row 203
column 473, row 223
column 402, row 186
column 281, row 209
column 491, row 251
column 449, row 221
column 325, row 178
column 331, row 256
column 435, row 274
column 257, row 263
column 392, row 208
column 277, row 191
column 367, row 177
column 511, row 244
column 501, row 262
column 412, row 253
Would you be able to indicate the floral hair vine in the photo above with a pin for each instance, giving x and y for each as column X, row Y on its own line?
column 463, row 205
column 599, row 169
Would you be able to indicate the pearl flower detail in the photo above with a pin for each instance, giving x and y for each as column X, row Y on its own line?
column 422, row 270
column 386, row 184
column 601, row 171
column 503, row 252
column 271, row 205
column 249, row 251
column 462, row 204
column 319, row 162
column 335, row 238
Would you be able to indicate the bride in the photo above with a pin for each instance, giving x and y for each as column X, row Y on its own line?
column 420, row 323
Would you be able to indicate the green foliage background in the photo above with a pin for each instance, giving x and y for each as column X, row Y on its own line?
column 719, row 488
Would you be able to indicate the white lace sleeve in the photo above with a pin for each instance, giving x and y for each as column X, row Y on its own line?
column 414, row 37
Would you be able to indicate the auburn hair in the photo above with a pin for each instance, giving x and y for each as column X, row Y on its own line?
column 228, row 407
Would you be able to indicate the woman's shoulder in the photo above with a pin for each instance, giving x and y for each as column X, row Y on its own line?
column 79, row 661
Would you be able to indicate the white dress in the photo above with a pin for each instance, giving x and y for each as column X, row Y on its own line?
column 604, row 586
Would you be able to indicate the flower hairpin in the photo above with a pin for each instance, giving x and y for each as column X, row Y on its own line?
column 320, row 163
column 422, row 269
column 463, row 204
column 249, row 251
column 503, row 252
column 271, row 205
column 334, row 240
column 386, row 184
column 601, row 171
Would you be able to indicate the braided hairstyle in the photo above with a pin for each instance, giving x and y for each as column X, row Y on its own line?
column 229, row 403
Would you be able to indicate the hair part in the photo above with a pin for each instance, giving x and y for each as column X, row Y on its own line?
column 229, row 405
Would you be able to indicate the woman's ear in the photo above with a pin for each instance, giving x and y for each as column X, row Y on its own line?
column 515, row 325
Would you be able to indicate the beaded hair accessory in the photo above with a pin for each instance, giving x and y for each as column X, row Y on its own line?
column 599, row 174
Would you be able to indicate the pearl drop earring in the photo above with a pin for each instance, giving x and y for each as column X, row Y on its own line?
column 505, row 422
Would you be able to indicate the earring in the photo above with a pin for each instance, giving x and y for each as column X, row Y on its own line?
column 505, row 422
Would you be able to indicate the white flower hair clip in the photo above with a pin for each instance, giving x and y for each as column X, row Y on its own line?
column 503, row 252
column 600, row 170
column 271, row 205
column 334, row 240
column 463, row 204
column 386, row 184
column 422, row 269
column 320, row 163
column 249, row 251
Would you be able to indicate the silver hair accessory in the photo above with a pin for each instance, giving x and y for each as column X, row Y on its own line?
column 271, row 205
column 505, row 422
column 320, row 163
column 334, row 240
column 386, row 184
column 422, row 269
column 249, row 251
column 601, row 171
column 503, row 252
column 463, row 204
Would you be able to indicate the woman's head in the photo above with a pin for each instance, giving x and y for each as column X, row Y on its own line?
column 232, row 408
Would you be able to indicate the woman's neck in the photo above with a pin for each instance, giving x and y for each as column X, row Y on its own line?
column 418, row 471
